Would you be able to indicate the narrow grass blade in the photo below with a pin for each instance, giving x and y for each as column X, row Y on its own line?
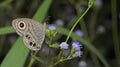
column 16, row 56
column 42, row 11
column 6, row 30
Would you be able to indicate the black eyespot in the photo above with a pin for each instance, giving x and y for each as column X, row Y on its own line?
column 34, row 44
column 21, row 25
column 27, row 36
column 30, row 43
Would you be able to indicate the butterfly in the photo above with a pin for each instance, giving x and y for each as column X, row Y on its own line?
column 32, row 32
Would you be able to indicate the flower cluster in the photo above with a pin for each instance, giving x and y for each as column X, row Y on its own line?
column 63, row 45
column 51, row 31
column 79, row 33
column 52, row 27
column 75, row 45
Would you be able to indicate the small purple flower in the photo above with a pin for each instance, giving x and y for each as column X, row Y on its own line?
column 79, row 53
column 98, row 3
column 59, row 22
column 52, row 27
column 101, row 29
column 82, row 64
column 79, row 33
column 63, row 45
column 76, row 45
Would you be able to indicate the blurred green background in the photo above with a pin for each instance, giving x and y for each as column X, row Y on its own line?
column 102, row 23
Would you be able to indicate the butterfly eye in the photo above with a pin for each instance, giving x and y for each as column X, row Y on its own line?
column 21, row 25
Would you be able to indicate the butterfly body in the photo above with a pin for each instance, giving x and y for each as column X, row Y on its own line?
column 33, row 32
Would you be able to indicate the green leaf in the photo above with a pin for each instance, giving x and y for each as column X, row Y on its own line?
column 16, row 56
column 6, row 30
column 18, row 53
column 42, row 11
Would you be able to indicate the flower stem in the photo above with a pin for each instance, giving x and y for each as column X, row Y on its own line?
column 76, row 24
column 31, row 62
column 61, row 60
